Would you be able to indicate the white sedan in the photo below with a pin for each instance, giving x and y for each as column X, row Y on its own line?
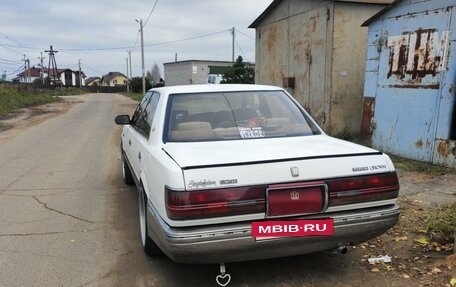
column 241, row 172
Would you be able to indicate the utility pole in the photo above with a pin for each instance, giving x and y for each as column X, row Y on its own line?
column 80, row 76
column 25, row 68
column 129, row 60
column 126, row 60
column 52, row 65
column 29, row 74
column 41, row 58
column 142, row 57
column 232, row 55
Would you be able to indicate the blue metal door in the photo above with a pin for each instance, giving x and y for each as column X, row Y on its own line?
column 414, row 53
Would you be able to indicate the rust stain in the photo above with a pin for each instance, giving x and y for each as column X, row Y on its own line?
column 313, row 22
column 445, row 149
column 415, row 86
column 419, row 144
column 272, row 39
column 368, row 115
column 414, row 54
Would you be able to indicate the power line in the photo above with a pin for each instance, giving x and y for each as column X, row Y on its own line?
column 242, row 52
column 118, row 48
column 245, row 34
column 136, row 42
column 151, row 11
column 16, row 71
column 187, row 39
column 9, row 38
column 19, row 46
column 9, row 62
column 93, row 70
column 148, row 45
column 14, row 51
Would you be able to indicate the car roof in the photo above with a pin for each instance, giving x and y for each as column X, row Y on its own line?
column 214, row 88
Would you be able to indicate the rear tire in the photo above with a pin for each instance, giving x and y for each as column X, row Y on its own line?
column 149, row 246
column 126, row 173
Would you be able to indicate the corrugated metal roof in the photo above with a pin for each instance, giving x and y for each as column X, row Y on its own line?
column 277, row 2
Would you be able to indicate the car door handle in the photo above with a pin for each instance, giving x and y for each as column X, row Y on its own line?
column 129, row 142
column 139, row 156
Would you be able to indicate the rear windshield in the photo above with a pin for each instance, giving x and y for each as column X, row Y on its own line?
column 234, row 116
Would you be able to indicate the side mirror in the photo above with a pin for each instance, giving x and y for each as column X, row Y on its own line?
column 122, row 119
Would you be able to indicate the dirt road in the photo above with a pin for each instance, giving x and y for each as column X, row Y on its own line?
column 66, row 218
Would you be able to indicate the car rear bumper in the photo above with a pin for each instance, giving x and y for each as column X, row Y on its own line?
column 233, row 242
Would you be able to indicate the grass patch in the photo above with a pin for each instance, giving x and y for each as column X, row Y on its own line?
column 13, row 98
column 135, row 96
column 441, row 222
column 418, row 166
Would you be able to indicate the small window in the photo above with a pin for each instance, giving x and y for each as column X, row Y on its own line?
column 139, row 109
column 148, row 115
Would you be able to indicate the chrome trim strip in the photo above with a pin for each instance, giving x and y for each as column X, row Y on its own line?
column 281, row 160
column 243, row 229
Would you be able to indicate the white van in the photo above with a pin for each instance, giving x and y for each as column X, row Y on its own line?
column 214, row 78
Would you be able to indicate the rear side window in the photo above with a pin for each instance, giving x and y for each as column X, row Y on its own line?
column 144, row 115
column 149, row 113
column 140, row 109
column 235, row 116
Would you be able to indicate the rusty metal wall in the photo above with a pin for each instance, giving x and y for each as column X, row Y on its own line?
column 308, row 59
column 315, row 49
column 410, row 74
column 291, row 51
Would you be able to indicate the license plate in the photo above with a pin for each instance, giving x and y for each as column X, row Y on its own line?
column 292, row 228
column 296, row 199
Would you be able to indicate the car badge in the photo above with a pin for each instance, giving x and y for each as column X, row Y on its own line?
column 294, row 195
column 294, row 171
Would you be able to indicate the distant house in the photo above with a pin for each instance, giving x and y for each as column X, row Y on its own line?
column 30, row 75
column 66, row 77
column 193, row 71
column 93, row 81
column 113, row 79
column 71, row 78
column 316, row 50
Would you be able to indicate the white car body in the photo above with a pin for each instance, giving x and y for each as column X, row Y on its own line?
column 161, row 168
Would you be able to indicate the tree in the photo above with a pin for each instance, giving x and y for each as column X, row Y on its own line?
column 136, row 85
column 239, row 73
column 153, row 76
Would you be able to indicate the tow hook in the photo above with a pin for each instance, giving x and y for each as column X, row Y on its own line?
column 224, row 278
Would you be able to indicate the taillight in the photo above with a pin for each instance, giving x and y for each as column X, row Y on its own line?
column 363, row 188
column 214, row 202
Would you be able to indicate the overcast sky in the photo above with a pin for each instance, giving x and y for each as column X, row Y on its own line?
column 99, row 32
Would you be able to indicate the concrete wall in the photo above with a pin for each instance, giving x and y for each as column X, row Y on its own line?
column 190, row 72
column 348, row 65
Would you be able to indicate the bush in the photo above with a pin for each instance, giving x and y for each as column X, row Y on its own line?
column 136, row 85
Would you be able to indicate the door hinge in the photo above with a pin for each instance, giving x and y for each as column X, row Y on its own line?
column 328, row 14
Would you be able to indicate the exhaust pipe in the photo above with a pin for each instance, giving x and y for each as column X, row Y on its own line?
column 342, row 249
